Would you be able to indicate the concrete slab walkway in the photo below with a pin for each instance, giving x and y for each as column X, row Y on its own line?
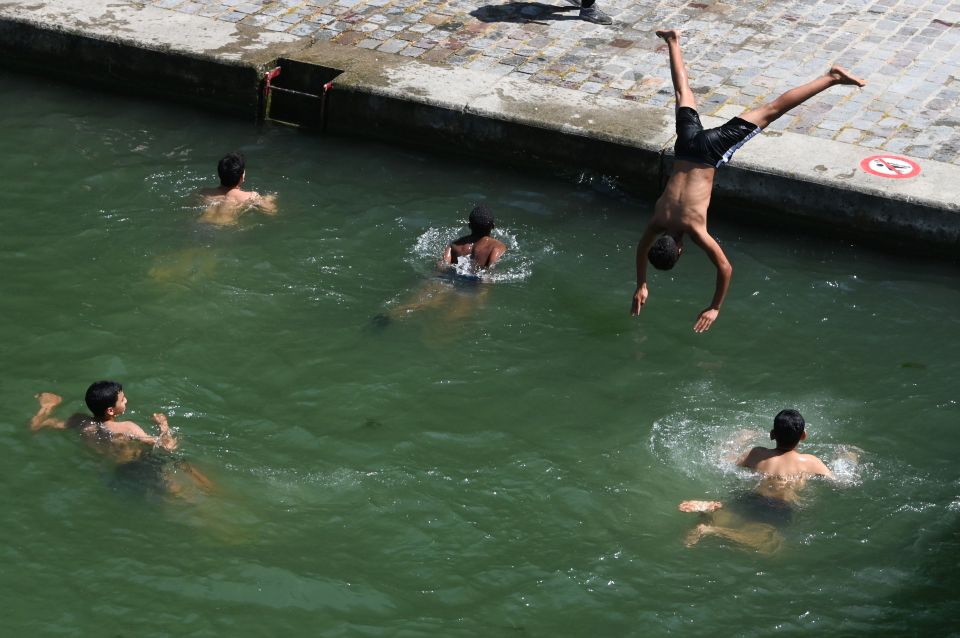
column 738, row 53
column 536, row 66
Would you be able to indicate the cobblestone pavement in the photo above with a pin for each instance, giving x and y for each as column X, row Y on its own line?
column 739, row 53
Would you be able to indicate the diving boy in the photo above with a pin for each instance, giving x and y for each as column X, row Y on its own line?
column 225, row 203
column 682, row 208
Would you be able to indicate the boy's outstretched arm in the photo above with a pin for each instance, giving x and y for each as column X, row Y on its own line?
column 165, row 441
column 496, row 254
column 643, row 249
column 266, row 203
column 43, row 419
column 733, row 446
column 818, row 467
column 749, row 459
column 724, row 275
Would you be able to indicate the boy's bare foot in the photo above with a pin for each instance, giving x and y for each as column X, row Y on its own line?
column 696, row 534
column 669, row 34
column 842, row 76
column 700, row 506
column 49, row 400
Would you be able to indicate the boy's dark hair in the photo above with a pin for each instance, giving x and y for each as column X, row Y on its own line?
column 230, row 169
column 481, row 220
column 101, row 396
column 664, row 253
column 787, row 429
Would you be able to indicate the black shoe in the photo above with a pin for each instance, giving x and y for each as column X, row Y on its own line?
column 595, row 15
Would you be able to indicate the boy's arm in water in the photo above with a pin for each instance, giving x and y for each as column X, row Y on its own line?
column 43, row 418
column 816, row 466
column 458, row 248
column 751, row 457
column 643, row 249
column 732, row 448
column 165, row 441
column 496, row 253
column 724, row 273
column 266, row 203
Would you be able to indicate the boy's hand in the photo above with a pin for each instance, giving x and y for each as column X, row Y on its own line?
column 706, row 319
column 166, row 440
column 639, row 298
column 161, row 420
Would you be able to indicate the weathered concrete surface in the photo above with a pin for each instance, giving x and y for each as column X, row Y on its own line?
column 474, row 110
column 487, row 115
column 143, row 49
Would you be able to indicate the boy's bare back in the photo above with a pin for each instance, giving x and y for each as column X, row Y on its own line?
column 225, row 208
column 790, row 464
column 485, row 251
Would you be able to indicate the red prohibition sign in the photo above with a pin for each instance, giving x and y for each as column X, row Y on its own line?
column 892, row 166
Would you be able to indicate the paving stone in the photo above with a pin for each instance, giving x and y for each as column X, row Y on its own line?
column 849, row 135
column 190, row 8
column 392, row 46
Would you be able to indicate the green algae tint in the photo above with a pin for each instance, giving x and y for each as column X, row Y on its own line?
column 507, row 461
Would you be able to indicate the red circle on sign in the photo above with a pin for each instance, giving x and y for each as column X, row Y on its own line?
column 892, row 166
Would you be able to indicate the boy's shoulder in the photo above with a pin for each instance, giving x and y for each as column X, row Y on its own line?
column 755, row 455
column 124, row 427
column 816, row 466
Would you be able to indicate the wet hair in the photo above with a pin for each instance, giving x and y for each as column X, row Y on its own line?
column 664, row 253
column 230, row 169
column 481, row 219
column 102, row 396
column 787, row 429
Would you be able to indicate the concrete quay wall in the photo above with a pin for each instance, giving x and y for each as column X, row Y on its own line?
column 129, row 47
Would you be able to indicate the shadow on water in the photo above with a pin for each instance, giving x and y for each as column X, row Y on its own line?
column 524, row 12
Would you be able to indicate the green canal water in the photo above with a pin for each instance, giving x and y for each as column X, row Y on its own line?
column 505, row 462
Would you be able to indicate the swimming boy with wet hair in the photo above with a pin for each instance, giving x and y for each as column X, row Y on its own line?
column 480, row 248
column 228, row 201
column 789, row 429
column 107, row 403
column 756, row 515
column 231, row 169
column 478, row 245
column 682, row 208
column 123, row 442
